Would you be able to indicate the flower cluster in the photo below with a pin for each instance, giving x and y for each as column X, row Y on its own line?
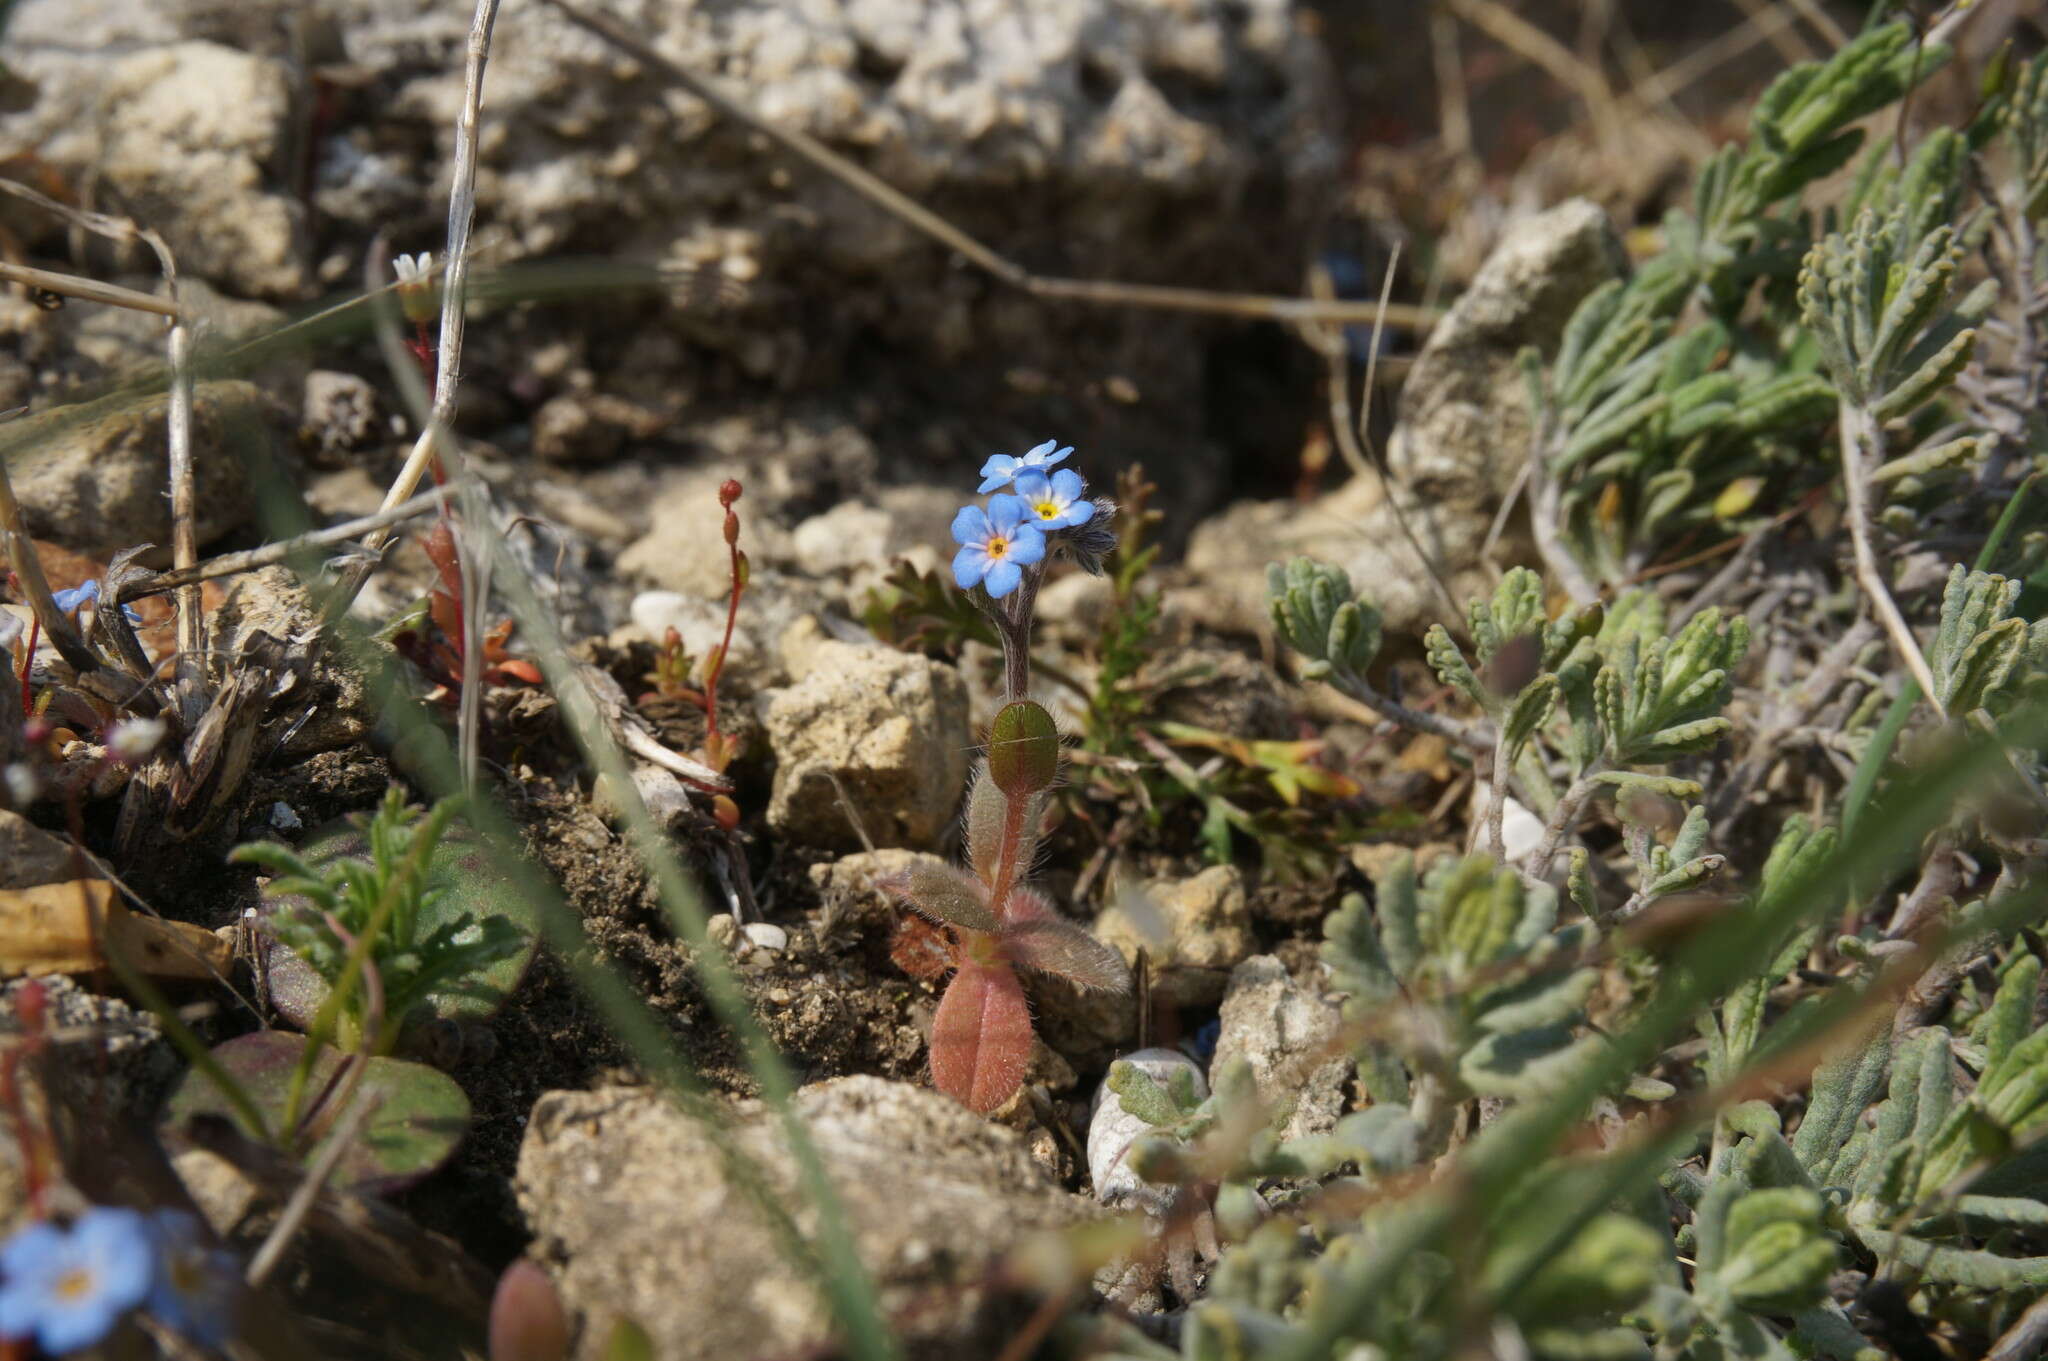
column 1041, row 509
column 67, row 1287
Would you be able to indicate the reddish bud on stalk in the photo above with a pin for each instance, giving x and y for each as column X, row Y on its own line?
column 729, row 492
column 29, row 1003
column 527, row 1320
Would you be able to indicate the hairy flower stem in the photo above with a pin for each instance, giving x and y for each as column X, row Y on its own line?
column 1013, row 622
column 1009, row 850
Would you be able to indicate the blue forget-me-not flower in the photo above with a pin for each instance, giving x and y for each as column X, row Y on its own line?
column 75, row 599
column 196, row 1283
column 1001, row 470
column 1055, row 502
column 996, row 545
column 67, row 1288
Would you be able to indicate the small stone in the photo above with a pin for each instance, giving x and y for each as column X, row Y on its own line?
column 1112, row 1130
column 765, row 936
column 1461, row 436
column 701, row 623
column 338, row 415
column 92, row 476
column 1194, row 931
column 682, row 550
column 1292, row 1037
column 637, row 1202
column 870, row 733
column 847, row 892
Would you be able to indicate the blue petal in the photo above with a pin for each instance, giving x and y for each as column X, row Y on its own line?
column 76, row 1327
column 18, row 1310
column 1031, row 486
column 1068, row 484
column 1005, row 512
column 999, row 469
column 69, row 601
column 123, row 1256
column 970, row 564
column 1003, row 578
column 970, row 525
column 1076, row 515
column 27, row 1250
column 1027, row 545
column 1037, row 452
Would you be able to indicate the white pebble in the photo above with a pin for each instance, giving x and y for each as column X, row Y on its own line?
column 1112, row 1130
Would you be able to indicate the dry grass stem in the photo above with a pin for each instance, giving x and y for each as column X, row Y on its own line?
column 902, row 206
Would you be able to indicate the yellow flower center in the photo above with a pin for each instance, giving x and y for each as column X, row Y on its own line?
column 997, row 546
column 74, row 1283
column 1048, row 510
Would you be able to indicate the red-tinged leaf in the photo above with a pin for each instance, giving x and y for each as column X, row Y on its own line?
column 439, row 543
column 987, row 810
column 922, row 950
column 1053, row 946
column 943, row 893
column 519, row 669
column 985, row 807
column 981, row 1037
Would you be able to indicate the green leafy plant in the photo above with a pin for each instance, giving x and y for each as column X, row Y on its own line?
column 375, row 927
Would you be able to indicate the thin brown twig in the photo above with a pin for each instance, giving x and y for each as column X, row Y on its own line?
column 191, row 673
column 88, row 290
column 270, row 554
column 296, row 1210
column 902, row 206
column 1776, row 21
column 1698, row 62
column 1453, row 100
column 1861, row 444
column 476, row 515
column 1518, row 34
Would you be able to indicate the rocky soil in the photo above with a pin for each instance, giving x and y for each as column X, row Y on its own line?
column 669, row 303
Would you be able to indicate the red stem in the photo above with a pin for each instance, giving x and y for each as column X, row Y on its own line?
column 35, row 636
column 732, row 614
column 1007, row 849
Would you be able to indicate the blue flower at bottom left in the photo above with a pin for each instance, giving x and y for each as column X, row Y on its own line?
column 67, row 1288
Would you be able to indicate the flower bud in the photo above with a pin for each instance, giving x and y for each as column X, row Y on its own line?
column 729, row 492
column 527, row 1322
column 732, row 529
column 1023, row 749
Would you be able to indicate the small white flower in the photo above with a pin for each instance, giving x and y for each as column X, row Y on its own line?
column 22, row 785
column 413, row 269
column 133, row 739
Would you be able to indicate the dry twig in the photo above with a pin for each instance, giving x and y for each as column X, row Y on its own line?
column 908, row 210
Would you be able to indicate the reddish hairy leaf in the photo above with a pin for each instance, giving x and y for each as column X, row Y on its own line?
column 945, row 894
column 987, row 806
column 1055, row 946
column 921, row 949
column 981, row 1037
